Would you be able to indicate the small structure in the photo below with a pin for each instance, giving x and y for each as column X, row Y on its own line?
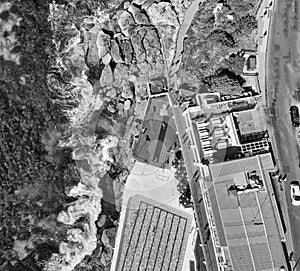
column 251, row 63
column 158, row 85
column 249, row 126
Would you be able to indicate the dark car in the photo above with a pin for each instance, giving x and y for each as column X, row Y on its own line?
column 295, row 118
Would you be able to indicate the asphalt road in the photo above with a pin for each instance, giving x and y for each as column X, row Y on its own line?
column 282, row 80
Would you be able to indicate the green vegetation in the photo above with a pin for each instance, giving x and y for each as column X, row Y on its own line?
column 225, row 82
column 234, row 63
column 221, row 38
column 217, row 35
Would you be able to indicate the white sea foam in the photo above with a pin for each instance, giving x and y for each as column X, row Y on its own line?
column 83, row 241
column 88, row 205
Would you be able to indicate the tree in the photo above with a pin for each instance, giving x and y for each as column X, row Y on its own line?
column 234, row 63
column 226, row 82
column 222, row 37
column 245, row 25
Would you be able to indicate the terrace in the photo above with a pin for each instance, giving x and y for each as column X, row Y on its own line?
column 154, row 236
column 158, row 136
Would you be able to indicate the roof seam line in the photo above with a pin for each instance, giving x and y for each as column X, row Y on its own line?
column 265, row 230
column 246, row 234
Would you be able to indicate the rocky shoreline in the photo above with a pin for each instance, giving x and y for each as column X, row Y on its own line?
column 109, row 63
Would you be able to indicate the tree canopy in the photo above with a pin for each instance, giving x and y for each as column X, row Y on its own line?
column 226, row 82
column 222, row 37
column 234, row 63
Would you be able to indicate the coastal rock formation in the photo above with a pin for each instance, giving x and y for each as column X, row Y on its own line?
column 140, row 16
column 83, row 241
column 115, row 52
column 99, row 76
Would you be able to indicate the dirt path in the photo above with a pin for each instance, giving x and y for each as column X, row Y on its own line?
column 185, row 25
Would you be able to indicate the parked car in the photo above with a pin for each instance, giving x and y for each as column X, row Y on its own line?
column 295, row 193
column 295, row 117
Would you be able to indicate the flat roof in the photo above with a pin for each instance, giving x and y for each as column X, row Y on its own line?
column 154, row 235
column 249, row 122
column 247, row 223
column 158, row 134
column 251, row 62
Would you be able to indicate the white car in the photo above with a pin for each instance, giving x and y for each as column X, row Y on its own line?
column 295, row 193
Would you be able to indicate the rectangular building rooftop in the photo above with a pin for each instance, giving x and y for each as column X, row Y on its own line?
column 247, row 219
column 154, row 236
column 249, row 122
